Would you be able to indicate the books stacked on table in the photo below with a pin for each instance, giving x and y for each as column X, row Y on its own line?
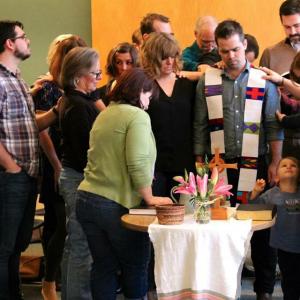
column 256, row 212
column 143, row 210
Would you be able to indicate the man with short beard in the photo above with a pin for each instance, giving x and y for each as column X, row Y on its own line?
column 280, row 56
column 279, row 59
column 19, row 156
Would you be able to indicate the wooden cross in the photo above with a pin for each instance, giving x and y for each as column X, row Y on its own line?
column 218, row 162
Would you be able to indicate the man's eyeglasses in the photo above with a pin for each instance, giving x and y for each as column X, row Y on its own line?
column 22, row 37
column 208, row 42
column 97, row 74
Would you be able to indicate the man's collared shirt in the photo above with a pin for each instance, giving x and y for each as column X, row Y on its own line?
column 233, row 111
column 18, row 128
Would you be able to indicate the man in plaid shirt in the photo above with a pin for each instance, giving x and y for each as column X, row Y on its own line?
column 19, row 149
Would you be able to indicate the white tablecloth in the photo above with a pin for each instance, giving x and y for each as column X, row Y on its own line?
column 200, row 261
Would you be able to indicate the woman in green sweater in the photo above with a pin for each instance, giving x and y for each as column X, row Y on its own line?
column 117, row 177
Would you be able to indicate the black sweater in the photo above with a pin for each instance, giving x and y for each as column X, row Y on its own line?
column 292, row 121
column 172, row 123
column 76, row 123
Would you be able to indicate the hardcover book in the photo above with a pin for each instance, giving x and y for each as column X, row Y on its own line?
column 256, row 212
column 143, row 210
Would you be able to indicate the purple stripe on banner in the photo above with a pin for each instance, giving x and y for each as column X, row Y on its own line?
column 253, row 127
column 213, row 90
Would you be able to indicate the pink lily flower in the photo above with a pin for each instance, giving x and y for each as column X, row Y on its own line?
column 214, row 176
column 222, row 189
column 202, row 185
column 188, row 188
column 180, row 179
column 192, row 183
column 184, row 190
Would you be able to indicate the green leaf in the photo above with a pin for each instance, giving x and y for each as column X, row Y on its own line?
column 186, row 175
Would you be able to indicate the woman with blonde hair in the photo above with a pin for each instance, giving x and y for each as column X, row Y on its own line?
column 171, row 116
column 54, row 44
column 46, row 92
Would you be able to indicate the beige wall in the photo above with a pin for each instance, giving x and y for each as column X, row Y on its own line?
column 113, row 21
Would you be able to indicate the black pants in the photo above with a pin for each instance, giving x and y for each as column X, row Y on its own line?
column 233, row 175
column 264, row 259
column 54, row 232
column 289, row 264
column 55, row 244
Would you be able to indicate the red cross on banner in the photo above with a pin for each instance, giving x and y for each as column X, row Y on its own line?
column 255, row 93
column 242, row 197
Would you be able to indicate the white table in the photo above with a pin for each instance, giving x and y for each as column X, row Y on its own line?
column 200, row 261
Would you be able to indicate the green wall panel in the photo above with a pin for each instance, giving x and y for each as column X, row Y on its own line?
column 43, row 21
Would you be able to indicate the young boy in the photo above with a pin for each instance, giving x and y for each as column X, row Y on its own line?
column 285, row 234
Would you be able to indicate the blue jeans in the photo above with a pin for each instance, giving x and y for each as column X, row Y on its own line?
column 76, row 261
column 113, row 248
column 17, row 208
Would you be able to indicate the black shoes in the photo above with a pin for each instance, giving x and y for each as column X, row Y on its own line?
column 263, row 296
column 246, row 273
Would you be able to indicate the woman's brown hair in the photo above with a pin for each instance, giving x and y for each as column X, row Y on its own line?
column 158, row 47
column 130, row 85
column 110, row 67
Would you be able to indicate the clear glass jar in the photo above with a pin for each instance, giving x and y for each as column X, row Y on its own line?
column 202, row 211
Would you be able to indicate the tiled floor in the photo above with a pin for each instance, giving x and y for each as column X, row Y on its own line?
column 248, row 294
column 33, row 291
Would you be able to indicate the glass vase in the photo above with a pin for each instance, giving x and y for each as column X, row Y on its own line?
column 202, row 212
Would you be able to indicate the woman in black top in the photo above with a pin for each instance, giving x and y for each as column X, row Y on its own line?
column 171, row 116
column 79, row 76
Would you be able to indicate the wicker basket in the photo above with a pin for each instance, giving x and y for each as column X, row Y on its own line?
column 170, row 214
